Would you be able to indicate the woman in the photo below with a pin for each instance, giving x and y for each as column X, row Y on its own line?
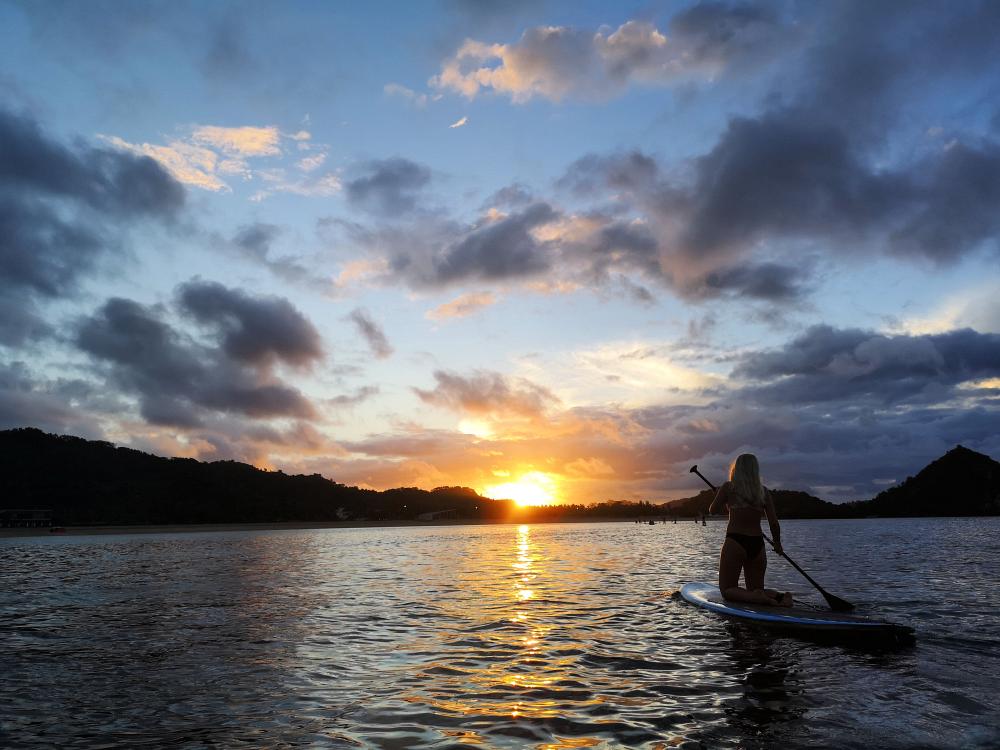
column 743, row 549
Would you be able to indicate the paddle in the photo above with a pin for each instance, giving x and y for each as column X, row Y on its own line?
column 836, row 603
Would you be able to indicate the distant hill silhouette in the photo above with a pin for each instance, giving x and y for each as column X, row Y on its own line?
column 87, row 482
column 94, row 483
column 787, row 503
column 960, row 483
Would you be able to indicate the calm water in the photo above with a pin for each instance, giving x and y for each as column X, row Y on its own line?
column 551, row 636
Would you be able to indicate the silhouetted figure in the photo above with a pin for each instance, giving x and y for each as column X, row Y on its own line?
column 746, row 500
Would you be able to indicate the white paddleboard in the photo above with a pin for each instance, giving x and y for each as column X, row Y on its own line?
column 801, row 617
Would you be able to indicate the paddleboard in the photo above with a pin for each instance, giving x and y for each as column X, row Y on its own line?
column 802, row 618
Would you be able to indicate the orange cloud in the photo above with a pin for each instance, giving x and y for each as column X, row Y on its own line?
column 242, row 141
column 462, row 306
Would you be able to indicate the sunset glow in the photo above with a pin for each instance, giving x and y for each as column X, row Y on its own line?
column 533, row 488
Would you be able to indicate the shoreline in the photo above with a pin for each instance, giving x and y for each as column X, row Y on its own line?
column 180, row 528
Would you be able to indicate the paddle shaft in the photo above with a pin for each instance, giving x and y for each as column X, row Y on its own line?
column 834, row 601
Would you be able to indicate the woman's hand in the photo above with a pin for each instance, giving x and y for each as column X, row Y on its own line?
column 778, row 548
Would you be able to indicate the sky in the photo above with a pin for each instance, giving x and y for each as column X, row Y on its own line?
column 558, row 252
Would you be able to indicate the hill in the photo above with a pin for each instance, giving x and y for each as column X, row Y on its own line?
column 95, row 483
column 787, row 503
column 960, row 483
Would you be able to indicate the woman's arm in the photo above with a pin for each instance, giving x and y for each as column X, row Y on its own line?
column 718, row 505
column 772, row 521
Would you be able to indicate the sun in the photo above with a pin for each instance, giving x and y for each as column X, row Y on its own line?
column 532, row 488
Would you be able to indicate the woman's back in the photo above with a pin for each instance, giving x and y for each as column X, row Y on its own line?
column 744, row 512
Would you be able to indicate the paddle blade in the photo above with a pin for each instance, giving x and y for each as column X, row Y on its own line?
column 836, row 603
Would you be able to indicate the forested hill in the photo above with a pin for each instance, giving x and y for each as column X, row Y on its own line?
column 787, row 504
column 93, row 483
column 960, row 483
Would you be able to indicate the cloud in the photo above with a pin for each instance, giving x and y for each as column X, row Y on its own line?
column 497, row 250
column 240, row 141
column 771, row 282
column 210, row 154
column 462, row 306
column 188, row 164
column 311, row 163
column 179, row 382
column 459, row 123
column 360, row 395
column 388, row 187
column 556, row 62
column 396, row 89
column 257, row 241
column 488, row 393
column 63, row 209
column 310, row 186
column 826, row 364
column 817, row 184
column 26, row 399
column 372, row 333
column 253, row 329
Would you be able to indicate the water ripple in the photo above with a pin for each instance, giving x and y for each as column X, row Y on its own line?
column 558, row 636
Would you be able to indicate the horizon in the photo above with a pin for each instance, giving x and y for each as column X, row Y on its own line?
column 528, row 504
column 557, row 251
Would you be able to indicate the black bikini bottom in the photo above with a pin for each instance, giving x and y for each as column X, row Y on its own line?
column 753, row 544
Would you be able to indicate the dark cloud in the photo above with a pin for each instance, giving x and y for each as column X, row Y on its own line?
column 256, row 239
column 724, row 34
column 353, row 399
column 372, row 333
column 486, row 392
column 557, row 62
column 623, row 246
column 826, row 363
column 778, row 177
column 512, row 196
column 176, row 379
column 61, row 209
column 111, row 182
column 593, row 174
column 497, row 250
column 815, row 168
column 388, row 187
column 770, row 282
column 252, row 329
column 26, row 400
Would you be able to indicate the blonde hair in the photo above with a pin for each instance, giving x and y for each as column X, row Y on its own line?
column 744, row 475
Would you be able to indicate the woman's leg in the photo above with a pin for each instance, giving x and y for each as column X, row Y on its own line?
column 732, row 560
column 754, row 571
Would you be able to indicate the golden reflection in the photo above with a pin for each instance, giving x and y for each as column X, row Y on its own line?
column 568, row 742
column 507, row 669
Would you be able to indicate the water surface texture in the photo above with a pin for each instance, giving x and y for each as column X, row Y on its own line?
column 543, row 636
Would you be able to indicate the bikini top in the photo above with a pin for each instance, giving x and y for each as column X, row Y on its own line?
column 737, row 501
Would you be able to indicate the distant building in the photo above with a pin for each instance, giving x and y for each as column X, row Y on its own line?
column 25, row 518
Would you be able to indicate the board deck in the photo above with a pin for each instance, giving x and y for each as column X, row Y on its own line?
column 802, row 617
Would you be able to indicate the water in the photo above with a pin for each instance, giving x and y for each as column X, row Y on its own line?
column 544, row 636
